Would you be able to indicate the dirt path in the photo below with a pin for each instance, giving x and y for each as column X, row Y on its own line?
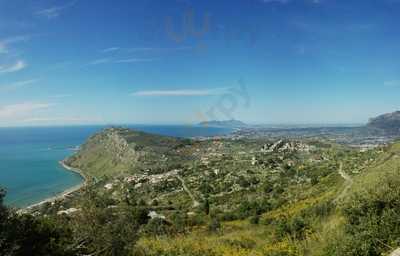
column 348, row 182
column 195, row 202
column 344, row 175
column 395, row 253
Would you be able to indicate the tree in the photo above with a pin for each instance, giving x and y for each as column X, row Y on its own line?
column 29, row 235
column 3, row 209
column 207, row 207
column 214, row 226
column 104, row 230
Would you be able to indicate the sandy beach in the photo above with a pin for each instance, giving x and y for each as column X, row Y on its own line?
column 63, row 194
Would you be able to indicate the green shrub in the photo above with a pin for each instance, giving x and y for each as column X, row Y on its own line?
column 295, row 227
column 243, row 243
column 214, row 226
column 228, row 216
column 157, row 227
column 372, row 220
column 29, row 235
column 255, row 219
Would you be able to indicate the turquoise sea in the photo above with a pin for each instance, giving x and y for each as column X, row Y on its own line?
column 29, row 168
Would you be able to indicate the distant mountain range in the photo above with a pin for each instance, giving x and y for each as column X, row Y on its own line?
column 388, row 123
column 226, row 123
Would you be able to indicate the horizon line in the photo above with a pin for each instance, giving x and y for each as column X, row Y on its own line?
column 251, row 124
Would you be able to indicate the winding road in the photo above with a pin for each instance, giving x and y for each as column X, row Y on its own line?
column 195, row 202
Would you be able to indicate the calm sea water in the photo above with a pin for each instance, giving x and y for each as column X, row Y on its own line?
column 29, row 168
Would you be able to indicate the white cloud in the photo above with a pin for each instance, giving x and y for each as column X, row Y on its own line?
column 16, row 111
column 15, row 39
column 100, row 61
column 16, row 85
column 145, row 49
column 3, row 48
column 140, row 49
column 288, row 1
column 55, row 11
column 59, row 96
column 57, row 119
column 19, row 65
column 5, row 43
column 392, row 83
column 50, row 13
column 111, row 49
column 133, row 60
column 184, row 92
column 65, row 120
column 276, row 1
column 37, row 119
column 109, row 60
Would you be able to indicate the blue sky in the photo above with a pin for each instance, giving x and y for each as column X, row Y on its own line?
column 162, row 61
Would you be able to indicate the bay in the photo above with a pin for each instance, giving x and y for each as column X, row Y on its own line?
column 29, row 157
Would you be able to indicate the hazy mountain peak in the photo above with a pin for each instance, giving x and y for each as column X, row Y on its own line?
column 389, row 122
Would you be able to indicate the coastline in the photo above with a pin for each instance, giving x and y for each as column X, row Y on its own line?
column 75, row 170
column 63, row 194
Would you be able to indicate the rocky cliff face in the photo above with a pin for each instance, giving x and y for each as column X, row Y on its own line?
column 114, row 143
column 388, row 123
column 106, row 153
column 115, row 151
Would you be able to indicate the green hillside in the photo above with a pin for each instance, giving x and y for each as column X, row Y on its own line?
column 358, row 217
column 158, row 195
column 264, row 197
column 117, row 151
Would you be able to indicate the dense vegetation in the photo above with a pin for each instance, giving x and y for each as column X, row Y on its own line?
column 162, row 196
column 29, row 235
